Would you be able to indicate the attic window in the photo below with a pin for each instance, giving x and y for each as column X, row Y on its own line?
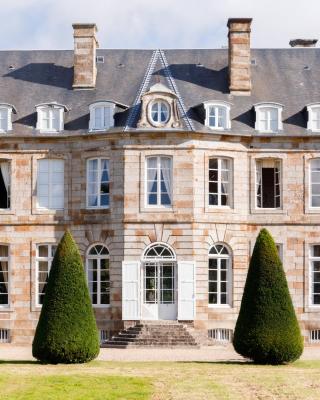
column 101, row 116
column 313, row 117
column 217, row 115
column 100, row 59
column 6, row 111
column 50, row 117
column 159, row 112
column 268, row 117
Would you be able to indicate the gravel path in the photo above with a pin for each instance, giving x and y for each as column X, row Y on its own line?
column 204, row 354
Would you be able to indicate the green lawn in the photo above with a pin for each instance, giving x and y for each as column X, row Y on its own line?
column 162, row 380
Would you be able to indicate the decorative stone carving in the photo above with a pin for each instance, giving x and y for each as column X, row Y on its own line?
column 159, row 93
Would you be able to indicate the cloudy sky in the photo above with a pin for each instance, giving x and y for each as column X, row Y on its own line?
column 46, row 24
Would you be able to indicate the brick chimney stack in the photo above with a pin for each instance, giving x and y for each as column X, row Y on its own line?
column 239, row 56
column 85, row 45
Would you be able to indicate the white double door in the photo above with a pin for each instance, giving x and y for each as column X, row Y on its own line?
column 158, row 290
column 159, row 297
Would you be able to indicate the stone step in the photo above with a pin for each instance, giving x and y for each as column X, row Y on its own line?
column 148, row 346
column 153, row 334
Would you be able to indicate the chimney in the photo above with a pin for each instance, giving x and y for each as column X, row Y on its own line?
column 85, row 45
column 303, row 42
column 239, row 56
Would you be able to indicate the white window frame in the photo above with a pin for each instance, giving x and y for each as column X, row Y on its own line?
column 7, row 259
column 9, row 197
column 98, row 257
column 311, row 278
column 261, row 107
column 50, row 107
column 102, row 105
column 9, row 109
column 50, row 183
column 219, row 257
column 208, row 105
column 98, row 183
column 219, row 182
column 158, row 102
column 310, row 109
column 158, row 205
column 311, row 183
column 48, row 260
column 258, row 172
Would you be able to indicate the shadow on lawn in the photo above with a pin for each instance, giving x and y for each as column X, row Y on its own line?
column 227, row 362
column 19, row 362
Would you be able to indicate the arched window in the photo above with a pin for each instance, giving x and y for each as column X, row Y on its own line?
column 157, row 251
column 219, row 275
column 98, row 275
column 159, row 275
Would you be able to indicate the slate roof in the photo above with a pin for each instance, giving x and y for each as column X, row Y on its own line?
column 287, row 76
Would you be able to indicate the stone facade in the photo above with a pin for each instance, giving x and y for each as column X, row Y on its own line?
column 190, row 226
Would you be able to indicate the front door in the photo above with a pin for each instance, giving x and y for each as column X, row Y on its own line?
column 159, row 300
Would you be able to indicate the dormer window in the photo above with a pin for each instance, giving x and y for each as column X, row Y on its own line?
column 50, row 117
column 313, row 117
column 268, row 117
column 159, row 112
column 217, row 115
column 159, row 109
column 6, row 111
column 101, row 116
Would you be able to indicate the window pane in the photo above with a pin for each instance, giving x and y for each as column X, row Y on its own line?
column 98, row 111
column 222, row 116
column 316, row 250
column 55, row 119
column 315, row 165
column 43, row 251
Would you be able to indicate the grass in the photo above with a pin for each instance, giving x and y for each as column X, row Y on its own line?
column 162, row 380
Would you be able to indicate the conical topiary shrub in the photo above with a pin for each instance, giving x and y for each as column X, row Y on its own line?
column 267, row 330
column 66, row 331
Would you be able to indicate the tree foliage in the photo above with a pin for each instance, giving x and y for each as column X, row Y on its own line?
column 267, row 330
column 66, row 331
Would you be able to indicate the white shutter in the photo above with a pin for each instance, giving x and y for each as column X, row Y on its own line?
column 130, row 290
column 186, row 290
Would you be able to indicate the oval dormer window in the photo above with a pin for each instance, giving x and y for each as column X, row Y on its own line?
column 159, row 112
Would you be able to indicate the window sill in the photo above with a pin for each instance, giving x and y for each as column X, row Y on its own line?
column 213, row 128
column 267, row 211
column 157, row 209
column 49, row 211
column 4, row 309
column 6, row 211
column 219, row 209
column 97, row 208
column 312, row 309
column 312, row 210
column 220, row 306
column 100, row 130
column 106, row 306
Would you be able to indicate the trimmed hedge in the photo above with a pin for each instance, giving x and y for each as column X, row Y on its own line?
column 267, row 330
column 66, row 331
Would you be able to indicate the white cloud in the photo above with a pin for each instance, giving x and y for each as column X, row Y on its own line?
column 46, row 24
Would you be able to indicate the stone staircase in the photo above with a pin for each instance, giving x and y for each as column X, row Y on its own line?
column 153, row 334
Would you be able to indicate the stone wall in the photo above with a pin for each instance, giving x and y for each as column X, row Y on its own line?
column 191, row 226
